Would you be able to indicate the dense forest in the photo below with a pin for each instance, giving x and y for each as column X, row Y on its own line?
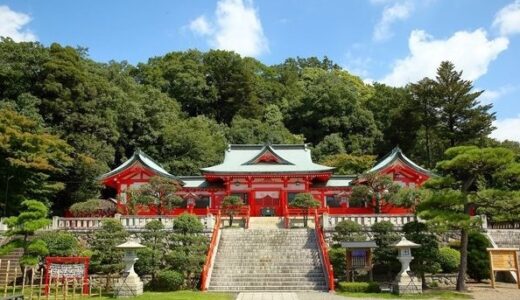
column 65, row 119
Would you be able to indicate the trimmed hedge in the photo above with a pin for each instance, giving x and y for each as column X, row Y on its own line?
column 359, row 287
column 449, row 259
column 93, row 208
column 169, row 281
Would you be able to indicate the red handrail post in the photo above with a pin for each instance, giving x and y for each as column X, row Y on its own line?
column 323, row 248
column 211, row 250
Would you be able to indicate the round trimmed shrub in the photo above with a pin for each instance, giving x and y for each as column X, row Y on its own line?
column 169, row 280
column 449, row 259
column 93, row 208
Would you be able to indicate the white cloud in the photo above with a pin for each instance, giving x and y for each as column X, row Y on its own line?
column 507, row 129
column 237, row 27
column 491, row 96
column 200, row 26
column 395, row 12
column 471, row 52
column 12, row 25
column 508, row 19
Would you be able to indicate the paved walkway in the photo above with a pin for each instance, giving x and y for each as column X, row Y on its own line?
column 267, row 296
column 289, row 296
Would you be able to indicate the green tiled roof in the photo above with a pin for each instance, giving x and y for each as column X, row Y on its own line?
column 294, row 158
column 139, row 157
column 397, row 154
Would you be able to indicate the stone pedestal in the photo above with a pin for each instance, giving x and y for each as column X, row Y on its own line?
column 129, row 286
column 404, row 284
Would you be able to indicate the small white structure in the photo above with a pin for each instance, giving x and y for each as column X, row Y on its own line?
column 130, row 285
column 406, row 282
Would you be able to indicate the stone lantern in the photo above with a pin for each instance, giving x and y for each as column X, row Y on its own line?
column 406, row 282
column 130, row 284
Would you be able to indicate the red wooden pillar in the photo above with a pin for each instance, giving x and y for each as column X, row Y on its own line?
column 227, row 183
column 251, row 195
column 322, row 198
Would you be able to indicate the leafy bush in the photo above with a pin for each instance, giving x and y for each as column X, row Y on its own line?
column 385, row 255
column 61, row 243
column 426, row 257
column 478, row 258
column 93, row 208
column 359, row 287
column 338, row 261
column 169, row 280
column 348, row 231
column 449, row 259
column 187, row 224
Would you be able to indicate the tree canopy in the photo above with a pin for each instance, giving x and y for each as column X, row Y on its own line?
column 182, row 109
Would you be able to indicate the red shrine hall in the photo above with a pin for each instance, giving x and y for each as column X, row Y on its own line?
column 266, row 178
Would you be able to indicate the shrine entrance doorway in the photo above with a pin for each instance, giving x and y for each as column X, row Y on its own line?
column 267, row 203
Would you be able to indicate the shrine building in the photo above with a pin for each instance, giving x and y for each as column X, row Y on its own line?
column 266, row 178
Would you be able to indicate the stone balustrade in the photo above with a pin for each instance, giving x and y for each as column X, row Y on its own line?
column 330, row 221
column 131, row 223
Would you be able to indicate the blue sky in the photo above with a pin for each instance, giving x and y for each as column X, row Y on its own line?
column 393, row 41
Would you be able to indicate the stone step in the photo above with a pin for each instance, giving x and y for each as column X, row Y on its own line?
column 273, row 258
column 268, row 288
column 260, row 269
column 261, row 276
column 266, row 283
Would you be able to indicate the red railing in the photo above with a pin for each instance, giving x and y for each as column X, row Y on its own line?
column 209, row 256
column 323, row 248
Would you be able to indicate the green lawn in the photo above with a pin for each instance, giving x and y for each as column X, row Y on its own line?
column 430, row 294
column 184, row 295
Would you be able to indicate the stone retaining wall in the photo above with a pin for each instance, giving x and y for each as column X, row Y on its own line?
column 441, row 279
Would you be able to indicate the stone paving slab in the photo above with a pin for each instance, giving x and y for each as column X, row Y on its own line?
column 267, row 296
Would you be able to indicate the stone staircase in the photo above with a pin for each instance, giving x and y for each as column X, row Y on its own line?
column 265, row 222
column 14, row 263
column 267, row 260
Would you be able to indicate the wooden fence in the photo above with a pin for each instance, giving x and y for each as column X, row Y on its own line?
column 29, row 282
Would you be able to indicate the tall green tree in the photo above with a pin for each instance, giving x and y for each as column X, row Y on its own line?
column 462, row 117
column 30, row 160
column 330, row 103
column 450, row 113
column 468, row 173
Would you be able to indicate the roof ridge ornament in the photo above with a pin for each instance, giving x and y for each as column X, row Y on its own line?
column 268, row 155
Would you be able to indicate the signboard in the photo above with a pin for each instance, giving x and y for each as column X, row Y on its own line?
column 503, row 259
column 61, row 268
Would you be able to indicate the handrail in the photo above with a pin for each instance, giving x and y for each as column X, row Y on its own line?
column 323, row 248
column 209, row 256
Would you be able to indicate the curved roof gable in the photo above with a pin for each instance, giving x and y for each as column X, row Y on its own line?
column 139, row 157
column 267, row 159
column 397, row 154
